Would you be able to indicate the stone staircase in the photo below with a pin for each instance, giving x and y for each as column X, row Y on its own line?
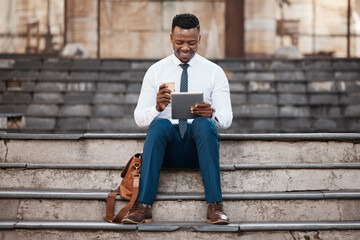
column 55, row 95
column 275, row 186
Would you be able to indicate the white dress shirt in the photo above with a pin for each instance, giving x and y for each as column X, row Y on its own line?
column 203, row 76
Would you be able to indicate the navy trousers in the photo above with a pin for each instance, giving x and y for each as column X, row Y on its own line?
column 164, row 147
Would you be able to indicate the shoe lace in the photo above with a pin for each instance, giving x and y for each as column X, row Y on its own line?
column 217, row 207
column 137, row 207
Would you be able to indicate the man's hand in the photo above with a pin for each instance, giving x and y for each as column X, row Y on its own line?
column 202, row 109
column 163, row 98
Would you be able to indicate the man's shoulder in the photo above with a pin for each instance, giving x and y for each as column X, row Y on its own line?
column 206, row 62
column 161, row 62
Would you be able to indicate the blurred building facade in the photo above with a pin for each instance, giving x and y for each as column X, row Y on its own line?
column 140, row 29
column 42, row 92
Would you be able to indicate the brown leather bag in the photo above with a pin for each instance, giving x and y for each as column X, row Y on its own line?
column 128, row 189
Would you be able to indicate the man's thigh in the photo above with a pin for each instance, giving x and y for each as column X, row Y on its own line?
column 179, row 153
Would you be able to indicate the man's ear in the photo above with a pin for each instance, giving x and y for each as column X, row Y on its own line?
column 199, row 38
column 171, row 37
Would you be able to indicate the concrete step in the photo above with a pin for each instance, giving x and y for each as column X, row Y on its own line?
column 234, row 148
column 102, row 195
column 266, row 178
column 187, row 180
column 90, row 205
column 222, row 167
column 180, row 230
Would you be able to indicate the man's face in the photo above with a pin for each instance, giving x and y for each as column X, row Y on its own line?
column 185, row 43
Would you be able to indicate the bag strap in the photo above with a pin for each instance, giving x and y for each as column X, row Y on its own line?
column 111, row 202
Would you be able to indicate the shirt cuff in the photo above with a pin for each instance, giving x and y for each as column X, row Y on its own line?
column 154, row 112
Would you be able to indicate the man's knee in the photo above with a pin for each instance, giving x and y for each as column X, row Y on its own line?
column 160, row 126
column 203, row 126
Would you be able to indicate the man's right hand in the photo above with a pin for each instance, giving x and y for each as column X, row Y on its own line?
column 163, row 98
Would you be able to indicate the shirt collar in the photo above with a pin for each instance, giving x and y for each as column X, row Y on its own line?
column 177, row 62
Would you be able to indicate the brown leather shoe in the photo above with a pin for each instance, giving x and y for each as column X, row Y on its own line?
column 215, row 214
column 139, row 213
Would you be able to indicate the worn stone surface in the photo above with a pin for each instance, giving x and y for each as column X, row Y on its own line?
column 294, row 96
column 3, row 150
column 108, row 110
column 50, row 86
column 12, row 97
column 120, row 26
column 9, row 208
column 78, row 110
column 289, row 98
column 111, row 87
column 86, row 76
column 326, row 86
column 105, row 124
column 294, row 111
column 80, row 86
column 260, row 87
column 133, row 44
column 48, row 97
column 186, row 181
column 115, row 17
column 13, row 108
column 43, row 110
column 296, row 125
column 40, row 123
column 72, row 123
column 288, row 152
column 83, row 151
column 176, row 235
column 111, row 151
column 85, row 210
column 85, row 13
column 78, row 98
column 238, row 211
column 107, row 98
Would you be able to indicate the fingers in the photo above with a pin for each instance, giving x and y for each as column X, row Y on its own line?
column 202, row 109
column 163, row 98
column 203, row 105
column 163, row 95
column 164, row 90
column 202, row 113
column 162, row 86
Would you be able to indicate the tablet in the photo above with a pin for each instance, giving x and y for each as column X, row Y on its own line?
column 181, row 103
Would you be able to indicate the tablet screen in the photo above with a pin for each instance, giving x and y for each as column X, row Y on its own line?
column 181, row 103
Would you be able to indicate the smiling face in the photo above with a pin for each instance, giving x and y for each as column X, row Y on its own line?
column 185, row 43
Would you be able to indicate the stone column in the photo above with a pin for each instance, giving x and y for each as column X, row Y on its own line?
column 260, row 27
column 82, row 24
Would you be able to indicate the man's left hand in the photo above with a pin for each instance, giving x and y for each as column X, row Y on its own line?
column 202, row 109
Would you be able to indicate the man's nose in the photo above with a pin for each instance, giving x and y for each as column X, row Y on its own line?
column 185, row 47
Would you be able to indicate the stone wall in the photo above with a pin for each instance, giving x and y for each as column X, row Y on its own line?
column 141, row 29
column 82, row 25
column 62, row 95
column 322, row 27
column 15, row 15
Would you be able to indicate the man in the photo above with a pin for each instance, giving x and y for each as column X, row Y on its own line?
column 184, row 143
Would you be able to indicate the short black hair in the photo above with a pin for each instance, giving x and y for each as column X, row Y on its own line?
column 185, row 21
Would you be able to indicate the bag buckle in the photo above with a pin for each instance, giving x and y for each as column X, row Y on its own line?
column 137, row 167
